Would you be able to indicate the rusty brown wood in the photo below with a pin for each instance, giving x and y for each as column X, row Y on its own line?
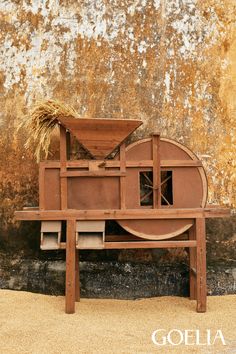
column 154, row 226
column 129, row 163
column 143, row 244
column 130, row 237
column 192, row 265
column 118, row 214
column 156, row 171
column 77, row 276
column 181, row 163
column 190, row 178
column 100, row 136
column 63, row 146
column 201, row 265
column 149, row 244
column 68, row 145
column 94, row 165
column 122, row 178
column 217, row 212
column 189, row 156
column 70, row 266
column 92, row 174
column 41, row 186
column 63, row 159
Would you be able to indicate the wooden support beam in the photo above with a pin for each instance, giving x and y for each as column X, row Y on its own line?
column 149, row 244
column 122, row 178
column 77, row 276
column 70, row 266
column 186, row 213
column 181, row 163
column 92, row 174
column 127, row 214
column 201, row 265
column 41, row 186
column 143, row 244
column 68, row 145
column 192, row 264
column 129, row 163
column 156, row 171
column 63, row 160
column 217, row 212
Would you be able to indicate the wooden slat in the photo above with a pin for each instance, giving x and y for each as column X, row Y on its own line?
column 108, row 124
column 116, row 214
column 68, row 145
column 130, row 237
column 52, row 164
column 143, row 244
column 192, row 264
column 118, row 238
column 108, row 163
column 122, row 178
column 110, row 214
column 201, row 264
column 156, row 171
column 63, row 159
column 181, row 163
column 149, row 244
column 42, row 186
column 77, row 276
column 92, row 174
column 70, row 267
column 63, row 146
column 130, row 164
column 63, row 193
column 217, row 212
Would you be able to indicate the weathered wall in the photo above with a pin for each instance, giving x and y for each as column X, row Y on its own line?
column 169, row 62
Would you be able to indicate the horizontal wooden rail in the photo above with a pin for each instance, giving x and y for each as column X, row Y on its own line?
column 217, row 212
column 116, row 163
column 92, row 174
column 144, row 244
column 150, row 244
column 128, row 214
column 109, row 214
column 181, row 163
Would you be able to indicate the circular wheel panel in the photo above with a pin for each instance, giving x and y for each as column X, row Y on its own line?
column 181, row 187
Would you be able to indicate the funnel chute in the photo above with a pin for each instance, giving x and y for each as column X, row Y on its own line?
column 100, row 136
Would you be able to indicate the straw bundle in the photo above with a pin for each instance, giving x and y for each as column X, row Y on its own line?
column 41, row 122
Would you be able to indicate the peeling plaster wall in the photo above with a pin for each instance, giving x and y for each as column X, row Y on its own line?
column 170, row 63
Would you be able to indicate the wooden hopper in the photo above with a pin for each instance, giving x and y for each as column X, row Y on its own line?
column 100, row 136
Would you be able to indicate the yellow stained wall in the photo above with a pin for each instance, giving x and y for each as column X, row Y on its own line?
column 170, row 63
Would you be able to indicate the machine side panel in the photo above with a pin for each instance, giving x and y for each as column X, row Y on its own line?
column 87, row 193
column 52, row 190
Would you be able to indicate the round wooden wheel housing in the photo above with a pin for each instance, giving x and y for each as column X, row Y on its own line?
column 189, row 188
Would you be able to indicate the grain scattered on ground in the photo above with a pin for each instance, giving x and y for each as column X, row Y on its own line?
column 33, row 323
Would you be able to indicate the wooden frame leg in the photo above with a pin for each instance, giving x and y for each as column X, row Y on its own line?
column 77, row 277
column 192, row 266
column 70, row 266
column 201, row 265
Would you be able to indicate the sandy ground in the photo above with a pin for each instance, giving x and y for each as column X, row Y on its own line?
column 33, row 323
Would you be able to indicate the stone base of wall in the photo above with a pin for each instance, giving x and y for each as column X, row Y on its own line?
column 112, row 279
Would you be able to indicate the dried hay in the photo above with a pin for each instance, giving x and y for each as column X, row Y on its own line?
column 41, row 121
